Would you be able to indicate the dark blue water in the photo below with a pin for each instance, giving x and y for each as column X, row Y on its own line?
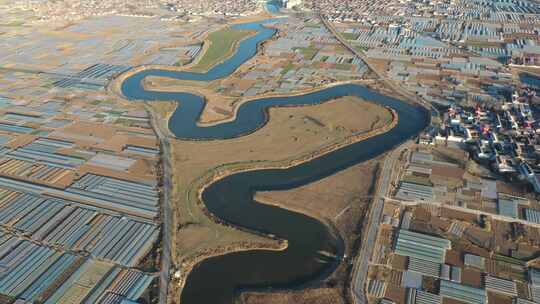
column 313, row 250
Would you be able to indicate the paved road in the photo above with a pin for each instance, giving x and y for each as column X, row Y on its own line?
column 368, row 243
column 166, row 212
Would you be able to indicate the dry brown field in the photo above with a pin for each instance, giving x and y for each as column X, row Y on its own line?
column 309, row 296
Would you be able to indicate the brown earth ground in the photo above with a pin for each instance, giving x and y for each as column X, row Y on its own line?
column 311, row 296
column 291, row 134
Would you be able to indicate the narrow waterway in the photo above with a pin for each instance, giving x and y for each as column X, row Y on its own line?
column 313, row 251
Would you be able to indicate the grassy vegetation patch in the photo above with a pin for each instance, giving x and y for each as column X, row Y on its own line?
column 344, row 66
column 19, row 70
column 418, row 180
column 124, row 122
column 13, row 24
column 182, row 62
column 485, row 44
column 222, row 45
column 309, row 52
column 349, row 36
column 361, row 49
column 287, row 68
column 509, row 260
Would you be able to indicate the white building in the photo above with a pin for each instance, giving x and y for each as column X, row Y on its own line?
column 292, row 3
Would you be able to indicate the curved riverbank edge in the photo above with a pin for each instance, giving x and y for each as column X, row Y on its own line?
column 116, row 89
column 241, row 101
column 211, row 176
column 207, row 44
column 187, row 265
column 115, row 84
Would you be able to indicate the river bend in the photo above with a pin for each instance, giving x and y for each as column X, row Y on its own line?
column 313, row 251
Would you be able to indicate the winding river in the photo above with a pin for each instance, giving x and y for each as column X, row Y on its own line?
column 313, row 251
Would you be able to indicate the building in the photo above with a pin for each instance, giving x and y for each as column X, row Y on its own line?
column 292, row 3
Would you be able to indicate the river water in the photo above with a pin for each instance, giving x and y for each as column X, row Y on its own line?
column 313, row 251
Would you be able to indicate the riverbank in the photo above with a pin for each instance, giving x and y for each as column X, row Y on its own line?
column 219, row 46
column 228, row 105
column 286, row 136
